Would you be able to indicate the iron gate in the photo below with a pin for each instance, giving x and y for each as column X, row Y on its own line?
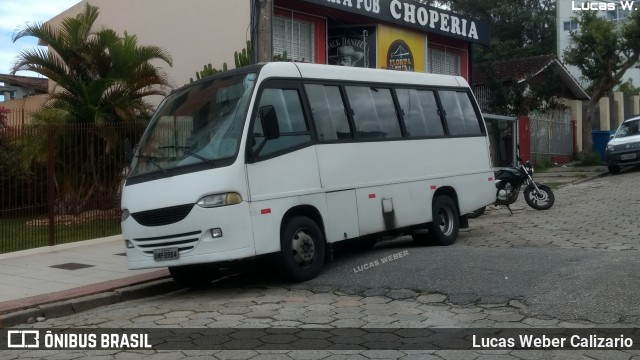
column 551, row 134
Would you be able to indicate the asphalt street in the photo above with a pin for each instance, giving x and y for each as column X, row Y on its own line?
column 568, row 284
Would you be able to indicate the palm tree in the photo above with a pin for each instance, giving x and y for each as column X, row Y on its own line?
column 99, row 75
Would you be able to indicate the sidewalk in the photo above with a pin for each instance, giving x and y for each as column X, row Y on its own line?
column 32, row 278
column 568, row 174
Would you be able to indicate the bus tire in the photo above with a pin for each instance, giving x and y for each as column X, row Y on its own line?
column 302, row 249
column 194, row 275
column 446, row 222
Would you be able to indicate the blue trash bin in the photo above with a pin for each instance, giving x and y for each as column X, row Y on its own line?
column 600, row 140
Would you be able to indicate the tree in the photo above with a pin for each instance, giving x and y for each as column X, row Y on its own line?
column 603, row 51
column 628, row 88
column 9, row 150
column 7, row 153
column 99, row 75
column 3, row 116
column 519, row 28
column 536, row 93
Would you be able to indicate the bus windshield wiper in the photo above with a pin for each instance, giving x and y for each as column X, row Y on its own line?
column 186, row 151
column 152, row 161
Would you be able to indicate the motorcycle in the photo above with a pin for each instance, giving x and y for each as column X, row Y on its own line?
column 508, row 183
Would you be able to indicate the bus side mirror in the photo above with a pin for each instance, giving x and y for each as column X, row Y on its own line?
column 269, row 122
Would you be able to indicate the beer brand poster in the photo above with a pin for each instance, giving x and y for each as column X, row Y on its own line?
column 400, row 49
column 352, row 46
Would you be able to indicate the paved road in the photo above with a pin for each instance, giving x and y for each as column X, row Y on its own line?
column 575, row 265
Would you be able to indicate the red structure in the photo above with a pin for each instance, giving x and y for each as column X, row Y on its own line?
column 524, row 137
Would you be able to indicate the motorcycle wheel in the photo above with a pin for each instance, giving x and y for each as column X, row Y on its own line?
column 476, row 213
column 539, row 200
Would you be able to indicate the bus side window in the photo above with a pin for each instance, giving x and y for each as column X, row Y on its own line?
column 461, row 117
column 470, row 117
column 328, row 112
column 420, row 111
column 373, row 112
column 292, row 124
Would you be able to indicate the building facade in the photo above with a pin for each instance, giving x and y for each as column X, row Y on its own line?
column 386, row 34
column 17, row 87
column 567, row 11
column 22, row 96
column 389, row 34
column 194, row 32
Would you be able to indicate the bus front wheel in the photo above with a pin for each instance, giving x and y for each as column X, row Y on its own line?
column 301, row 249
column 445, row 224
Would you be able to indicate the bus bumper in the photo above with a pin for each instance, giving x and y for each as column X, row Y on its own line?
column 206, row 235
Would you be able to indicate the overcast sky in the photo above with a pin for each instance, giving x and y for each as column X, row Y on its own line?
column 14, row 14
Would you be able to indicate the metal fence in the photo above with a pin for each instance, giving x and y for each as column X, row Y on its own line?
column 551, row 135
column 61, row 183
column 19, row 117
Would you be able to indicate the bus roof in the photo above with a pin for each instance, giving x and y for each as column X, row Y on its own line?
column 333, row 72
column 286, row 69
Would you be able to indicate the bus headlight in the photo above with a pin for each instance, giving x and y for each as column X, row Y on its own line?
column 216, row 200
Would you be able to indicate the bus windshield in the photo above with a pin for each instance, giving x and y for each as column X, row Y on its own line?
column 200, row 124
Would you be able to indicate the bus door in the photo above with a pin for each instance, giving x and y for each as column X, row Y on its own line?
column 281, row 162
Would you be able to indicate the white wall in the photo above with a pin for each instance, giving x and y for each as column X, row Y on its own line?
column 194, row 32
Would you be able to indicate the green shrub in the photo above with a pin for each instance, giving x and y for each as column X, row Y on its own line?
column 543, row 165
column 588, row 159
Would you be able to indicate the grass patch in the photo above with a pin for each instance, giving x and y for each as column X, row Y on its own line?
column 543, row 165
column 589, row 159
column 16, row 234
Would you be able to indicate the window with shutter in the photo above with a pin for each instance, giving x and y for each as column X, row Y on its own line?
column 295, row 36
column 443, row 62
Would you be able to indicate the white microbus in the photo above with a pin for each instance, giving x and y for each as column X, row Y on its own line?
column 288, row 159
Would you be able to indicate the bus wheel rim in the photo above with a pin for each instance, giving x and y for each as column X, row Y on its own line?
column 303, row 247
column 446, row 221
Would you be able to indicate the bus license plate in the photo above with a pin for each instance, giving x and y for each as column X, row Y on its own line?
column 628, row 156
column 165, row 254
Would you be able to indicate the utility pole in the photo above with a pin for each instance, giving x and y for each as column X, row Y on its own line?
column 264, row 46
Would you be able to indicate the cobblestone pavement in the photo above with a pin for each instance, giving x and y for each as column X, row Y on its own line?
column 598, row 217
column 599, row 214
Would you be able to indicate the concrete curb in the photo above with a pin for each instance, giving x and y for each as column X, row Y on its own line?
column 74, row 306
column 599, row 175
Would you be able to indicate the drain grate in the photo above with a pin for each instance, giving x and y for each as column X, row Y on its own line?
column 71, row 266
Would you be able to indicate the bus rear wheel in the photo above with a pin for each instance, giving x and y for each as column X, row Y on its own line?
column 445, row 222
column 302, row 249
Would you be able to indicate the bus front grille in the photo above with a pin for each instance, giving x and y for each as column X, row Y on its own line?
column 184, row 242
column 164, row 216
